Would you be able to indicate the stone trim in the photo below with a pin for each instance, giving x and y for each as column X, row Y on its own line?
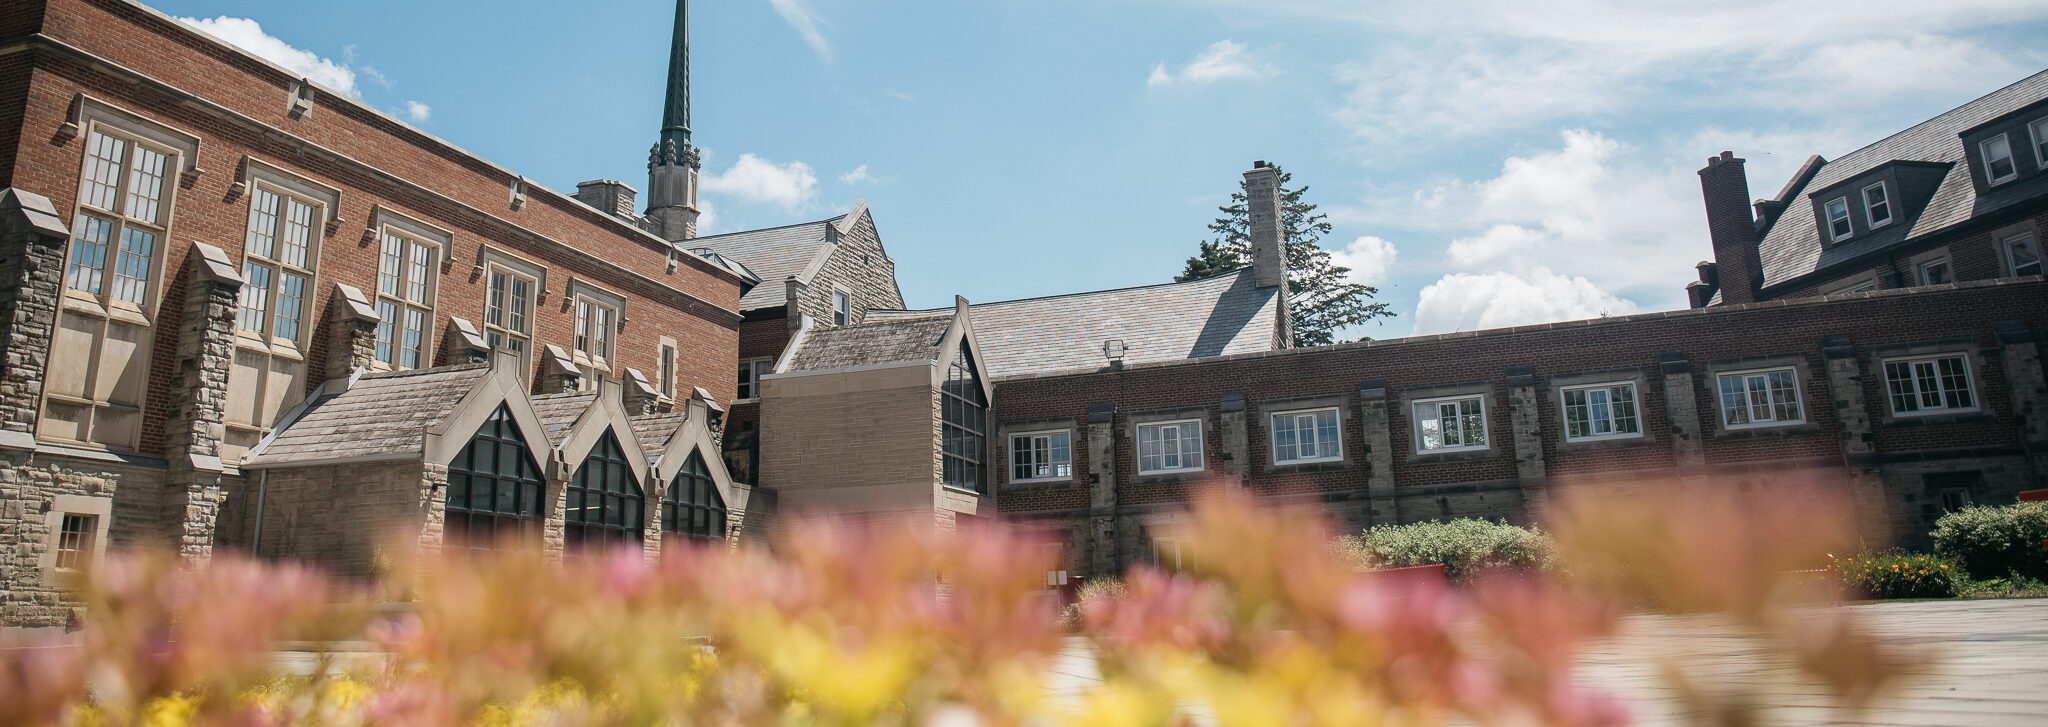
column 1075, row 438
column 1268, row 408
column 1634, row 375
column 101, row 508
column 1483, row 390
column 1976, row 362
column 1802, row 372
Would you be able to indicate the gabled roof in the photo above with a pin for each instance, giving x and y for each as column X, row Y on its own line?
column 382, row 414
column 867, row 344
column 558, row 411
column 1792, row 246
column 773, row 254
column 1212, row 316
column 654, row 430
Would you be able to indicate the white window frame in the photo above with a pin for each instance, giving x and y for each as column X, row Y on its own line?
column 752, row 367
column 400, row 299
column 1198, row 455
column 2037, row 131
column 1984, row 153
column 495, row 263
column 842, row 306
column 589, row 300
column 1485, row 432
column 1635, row 403
column 1771, row 403
column 1051, row 462
column 1273, row 435
column 1920, row 269
column 1828, row 212
column 1870, row 217
column 2012, row 265
column 1969, row 385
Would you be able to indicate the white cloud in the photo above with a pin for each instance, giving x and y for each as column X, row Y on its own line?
column 900, row 95
column 857, row 176
column 375, row 76
column 1370, row 258
column 1222, row 60
column 418, row 111
column 707, row 219
column 1470, row 301
column 758, row 180
column 246, row 34
column 804, row 20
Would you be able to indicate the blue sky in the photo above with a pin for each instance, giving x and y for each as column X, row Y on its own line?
column 1484, row 164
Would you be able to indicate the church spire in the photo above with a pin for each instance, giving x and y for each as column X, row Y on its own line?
column 672, row 164
column 675, row 114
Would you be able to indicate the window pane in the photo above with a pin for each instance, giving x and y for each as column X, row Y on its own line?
column 102, row 170
column 1998, row 158
column 494, row 302
column 387, row 329
column 1955, row 384
column 88, row 254
column 255, row 297
column 415, row 334
column 2023, row 255
column 418, row 273
column 388, row 261
column 521, row 297
column 291, row 293
column 1785, row 396
column 298, row 228
column 145, row 184
column 262, row 222
column 131, row 270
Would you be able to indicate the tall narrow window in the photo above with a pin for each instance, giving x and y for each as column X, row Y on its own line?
column 1929, row 385
column 1041, row 456
column 597, row 318
column 508, row 311
column 1838, row 219
column 842, row 308
column 2022, row 255
column 1170, row 447
column 605, row 505
column 494, row 488
column 74, row 541
column 963, row 416
column 1877, row 208
column 1306, row 436
column 405, row 299
column 668, row 370
column 2039, row 131
column 1450, row 424
column 279, row 252
column 1760, row 398
column 691, row 510
column 1601, row 411
column 98, row 366
column 1997, row 153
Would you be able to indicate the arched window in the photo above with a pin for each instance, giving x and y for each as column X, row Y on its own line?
column 692, row 509
column 605, row 504
column 494, row 488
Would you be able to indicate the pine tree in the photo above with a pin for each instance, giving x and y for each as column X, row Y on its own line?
column 1318, row 295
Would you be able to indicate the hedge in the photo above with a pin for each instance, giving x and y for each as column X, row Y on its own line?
column 1900, row 575
column 1464, row 546
column 1996, row 542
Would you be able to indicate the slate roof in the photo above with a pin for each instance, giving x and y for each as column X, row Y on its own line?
column 557, row 411
column 1218, row 315
column 1792, row 246
column 381, row 414
column 653, row 430
column 772, row 254
column 904, row 338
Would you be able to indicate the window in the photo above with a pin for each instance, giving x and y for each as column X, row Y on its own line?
column 98, row 368
column 1935, row 272
column 751, row 371
column 1877, row 208
column 1929, row 384
column 1954, row 498
column 1450, row 424
column 1173, row 555
column 667, row 370
column 1170, row 447
column 1760, row 398
column 605, row 505
column 597, row 320
column 1306, row 436
column 2039, row 131
column 405, row 299
column 494, row 488
column 842, row 308
column 692, row 509
column 1600, row 411
column 279, row 252
column 74, row 541
column 1998, row 166
column 1041, row 456
column 1838, row 219
column 963, row 410
column 2022, row 255
column 508, row 311
column 1864, row 285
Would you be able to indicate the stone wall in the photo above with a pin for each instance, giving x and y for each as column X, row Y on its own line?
column 859, row 265
column 347, row 517
column 31, row 487
column 850, row 442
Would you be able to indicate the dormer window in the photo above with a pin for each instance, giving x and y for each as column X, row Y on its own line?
column 2039, row 131
column 1877, row 208
column 1998, row 166
column 1838, row 219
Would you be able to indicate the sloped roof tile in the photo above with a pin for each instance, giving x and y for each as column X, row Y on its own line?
column 557, row 411
column 774, row 254
column 381, row 414
column 875, row 342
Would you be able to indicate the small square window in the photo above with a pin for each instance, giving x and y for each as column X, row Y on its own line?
column 1172, row 554
column 1041, row 456
column 1998, row 166
column 1877, row 208
column 74, row 541
column 2023, row 255
column 1450, row 424
column 1936, row 272
column 1838, row 219
column 1760, row 398
column 1929, row 385
column 1310, row 435
column 1601, row 411
column 1170, row 447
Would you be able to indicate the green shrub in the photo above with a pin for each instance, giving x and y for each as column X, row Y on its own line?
column 1996, row 542
column 1900, row 575
column 1464, row 546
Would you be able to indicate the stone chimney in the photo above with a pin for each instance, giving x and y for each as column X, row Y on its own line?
column 1698, row 292
column 1732, row 228
column 1269, row 232
column 609, row 195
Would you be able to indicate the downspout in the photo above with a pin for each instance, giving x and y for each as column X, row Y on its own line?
column 262, row 488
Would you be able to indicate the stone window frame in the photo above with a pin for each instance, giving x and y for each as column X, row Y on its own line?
column 325, row 201
column 1861, row 283
column 1918, row 264
column 1870, row 219
column 1485, row 391
column 1803, row 378
column 666, row 370
column 1005, row 431
column 1975, row 366
column 584, row 293
column 1268, row 408
column 386, row 222
column 101, row 509
column 1634, row 376
column 491, row 261
column 2003, row 238
column 1200, row 415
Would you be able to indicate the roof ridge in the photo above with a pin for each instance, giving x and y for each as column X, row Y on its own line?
column 443, row 369
column 1941, row 116
column 687, row 242
column 1057, row 296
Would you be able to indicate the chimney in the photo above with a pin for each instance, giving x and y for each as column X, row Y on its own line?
column 1269, row 244
column 1732, row 228
column 608, row 195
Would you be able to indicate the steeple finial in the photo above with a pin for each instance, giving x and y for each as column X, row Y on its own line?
column 675, row 113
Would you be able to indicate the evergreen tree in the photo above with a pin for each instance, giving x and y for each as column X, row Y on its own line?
column 1318, row 295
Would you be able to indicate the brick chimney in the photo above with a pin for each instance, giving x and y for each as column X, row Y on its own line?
column 1732, row 227
column 1269, row 243
column 608, row 195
